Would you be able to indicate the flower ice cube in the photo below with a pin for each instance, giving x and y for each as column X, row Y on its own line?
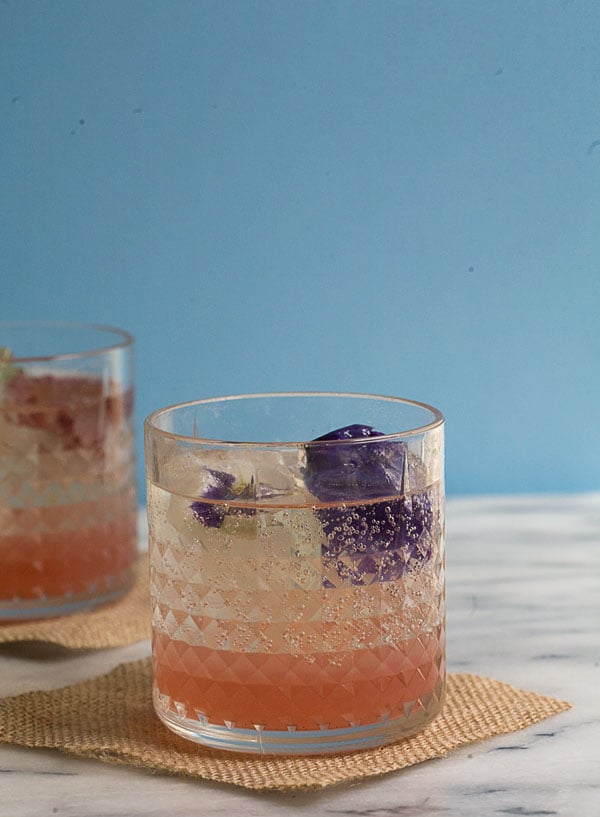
column 354, row 471
column 258, row 477
column 223, row 487
column 378, row 527
column 76, row 409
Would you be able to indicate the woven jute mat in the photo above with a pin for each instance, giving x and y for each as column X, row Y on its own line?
column 113, row 625
column 111, row 718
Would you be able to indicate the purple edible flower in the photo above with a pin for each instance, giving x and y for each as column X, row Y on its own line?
column 211, row 514
column 348, row 472
column 377, row 540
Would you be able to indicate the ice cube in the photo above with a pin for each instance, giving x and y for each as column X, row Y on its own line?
column 274, row 473
column 187, row 472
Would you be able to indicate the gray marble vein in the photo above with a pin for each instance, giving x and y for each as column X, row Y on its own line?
column 523, row 606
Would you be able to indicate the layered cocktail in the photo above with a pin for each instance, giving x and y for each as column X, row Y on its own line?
column 67, row 468
column 297, row 587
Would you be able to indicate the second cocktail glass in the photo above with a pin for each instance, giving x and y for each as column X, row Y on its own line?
column 68, row 514
column 297, row 570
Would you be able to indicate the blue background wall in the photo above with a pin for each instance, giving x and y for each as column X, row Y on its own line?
column 398, row 197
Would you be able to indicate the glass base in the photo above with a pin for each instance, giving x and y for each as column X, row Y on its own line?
column 300, row 742
column 20, row 610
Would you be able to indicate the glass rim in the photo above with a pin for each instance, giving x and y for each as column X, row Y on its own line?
column 126, row 339
column 150, row 421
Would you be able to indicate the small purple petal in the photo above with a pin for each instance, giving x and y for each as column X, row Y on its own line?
column 210, row 515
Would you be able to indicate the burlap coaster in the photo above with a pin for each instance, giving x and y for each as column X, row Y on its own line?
column 114, row 625
column 111, row 718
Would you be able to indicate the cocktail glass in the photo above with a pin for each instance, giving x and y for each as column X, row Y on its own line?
column 297, row 570
column 67, row 468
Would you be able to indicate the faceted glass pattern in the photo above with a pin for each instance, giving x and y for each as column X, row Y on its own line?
column 287, row 624
column 68, row 516
column 249, row 639
column 68, row 540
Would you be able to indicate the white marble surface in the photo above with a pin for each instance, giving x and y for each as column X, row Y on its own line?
column 523, row 606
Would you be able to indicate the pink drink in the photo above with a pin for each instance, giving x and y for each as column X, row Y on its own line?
column 68, row 501
column 297, row 588
column 253, row 626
